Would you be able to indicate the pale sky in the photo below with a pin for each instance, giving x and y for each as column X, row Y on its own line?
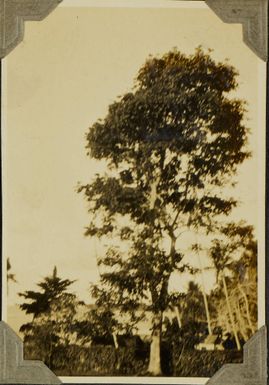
column 60, row 80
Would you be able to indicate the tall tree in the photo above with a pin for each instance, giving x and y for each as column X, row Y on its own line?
column 170, row 145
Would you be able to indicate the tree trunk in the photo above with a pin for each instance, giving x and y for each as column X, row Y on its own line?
column 227, row 324
column 178, row 317
column 247, row 308
column 204, row 296
column 230, row 313
column 116, row 344
column 154, row 367
column 115, row 340
column 50, row 354
column 207, row 312
column 241, row 322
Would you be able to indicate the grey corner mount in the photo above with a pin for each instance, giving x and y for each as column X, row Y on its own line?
column 252, row 14
column 14, row 369
column 13, row 13
column 253, row 371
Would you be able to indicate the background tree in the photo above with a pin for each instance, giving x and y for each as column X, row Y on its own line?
column 234, row 256
column 221, row 260
column 52, row 330
column 244, row 272
column 54, row 312
column 10, row 276
column 192, row 306
column 38, row 302
column 171, row 145
column 193, row 319
column 98, row 324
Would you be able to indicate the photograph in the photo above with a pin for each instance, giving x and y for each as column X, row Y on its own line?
column 133, row 183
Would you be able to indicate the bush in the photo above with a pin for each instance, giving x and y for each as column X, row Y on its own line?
column 199, row 363
column 97, row 360
column 105, row 360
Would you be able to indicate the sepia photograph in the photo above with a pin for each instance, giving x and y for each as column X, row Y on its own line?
column 133, row 163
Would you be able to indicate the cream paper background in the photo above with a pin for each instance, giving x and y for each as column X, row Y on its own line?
column 59, row 81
